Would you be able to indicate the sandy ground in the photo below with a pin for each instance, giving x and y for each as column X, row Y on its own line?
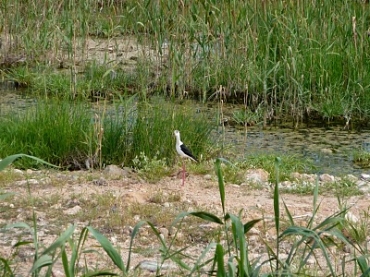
column 69, row 196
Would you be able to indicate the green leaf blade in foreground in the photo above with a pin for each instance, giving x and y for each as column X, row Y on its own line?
column 241, row 245
column 220, row 261
column 221, row 184
column 203, row 215
column 18, row 225
column 10, row 159
column 249, row 225
column 108, row 248
column 277, row 209
column 41, row 262
column 59, row 241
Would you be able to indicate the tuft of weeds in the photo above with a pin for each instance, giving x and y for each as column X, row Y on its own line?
column 362, row 158
column 151, row 169
column 161, row 197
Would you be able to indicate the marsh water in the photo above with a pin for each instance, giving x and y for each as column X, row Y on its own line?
column 331, row 149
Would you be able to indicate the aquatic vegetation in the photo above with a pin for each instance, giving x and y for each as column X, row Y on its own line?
column 280, row 58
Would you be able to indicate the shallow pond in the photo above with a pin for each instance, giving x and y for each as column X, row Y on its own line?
column 331, row 150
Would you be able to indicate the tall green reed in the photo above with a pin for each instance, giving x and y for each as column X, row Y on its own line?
column 76, row 135
column 298, row 60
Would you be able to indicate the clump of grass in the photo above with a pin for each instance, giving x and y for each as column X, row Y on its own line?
column 75, row 136
column 161, row 197
column 52, row 130
column 153, row 131
column 152, row 169
column 362, row 158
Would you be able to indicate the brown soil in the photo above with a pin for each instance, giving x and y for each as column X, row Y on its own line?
column 114, row 207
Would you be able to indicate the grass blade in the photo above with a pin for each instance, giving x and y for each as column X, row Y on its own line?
column 133, row 235
column 18, row 225
column 44, row 260
column 60, row 241
column 75, row 250
column 65, row 263
column 6, row 195
column 221, row 184
column 10, row 159
column 240, row 245
column 250, row 224
column 108, row 248
column 100, row 273
column 277, row 209
column 219, row 256
column 203, row 215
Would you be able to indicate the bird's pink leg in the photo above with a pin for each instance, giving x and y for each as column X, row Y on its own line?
column 183, row 173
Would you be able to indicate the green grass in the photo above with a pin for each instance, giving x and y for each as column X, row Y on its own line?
column 286, row 59
column 126, row 132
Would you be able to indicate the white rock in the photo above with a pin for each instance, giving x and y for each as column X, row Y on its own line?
column 73, row 211
column 303, row 177
column 207, row 177
column 327, row 178
column 365, row 176
column 257, row 175
column 153, row 266
column 27, row 182
column 29, row 171
column 17, row 171
column 113, row 171
column 351, row 217
column 351, row 178
column 254, row 231
column 326, row 151
column 164, row 232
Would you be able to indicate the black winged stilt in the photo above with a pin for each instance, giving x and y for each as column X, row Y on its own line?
column 184, row 152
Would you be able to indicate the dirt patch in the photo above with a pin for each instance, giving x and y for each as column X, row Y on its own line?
column 114, row 207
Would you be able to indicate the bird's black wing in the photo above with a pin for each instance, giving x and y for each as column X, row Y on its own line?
column 187, row 152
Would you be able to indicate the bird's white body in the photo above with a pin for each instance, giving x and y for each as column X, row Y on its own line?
column 184, row 152
column 181, row 149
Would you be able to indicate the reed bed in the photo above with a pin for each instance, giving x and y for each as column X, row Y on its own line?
column 297, row 59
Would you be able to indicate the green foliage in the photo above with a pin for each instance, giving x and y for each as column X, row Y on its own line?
column 152, row 169
column 74, row 134
column 153, row 131
column 362, row 158
column 53, row 131
column 282, row 58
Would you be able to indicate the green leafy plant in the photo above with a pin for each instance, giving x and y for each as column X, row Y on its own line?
column 152, row 169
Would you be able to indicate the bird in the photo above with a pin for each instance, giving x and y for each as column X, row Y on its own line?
column 184, row 152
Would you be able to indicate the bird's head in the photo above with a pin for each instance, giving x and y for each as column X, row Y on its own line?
column 177, row 133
